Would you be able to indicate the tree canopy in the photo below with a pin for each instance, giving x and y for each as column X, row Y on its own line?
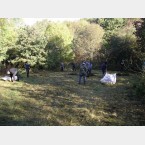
column 46, row 44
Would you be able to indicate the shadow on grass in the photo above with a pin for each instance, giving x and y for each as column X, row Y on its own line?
column 56, row 99
column 40, row 108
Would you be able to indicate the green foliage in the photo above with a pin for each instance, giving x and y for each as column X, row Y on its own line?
column 140, row 33
column 122, row 45
column 8, row 36
column 45, row 44
column 59, row 46
column 111, row 23
column 111, row 26
column 92, row 20
column 138, row 89
column 87, row 39
column 41, row 27
column 29, row 47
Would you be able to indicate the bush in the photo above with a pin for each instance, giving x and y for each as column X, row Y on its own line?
column 139, row 88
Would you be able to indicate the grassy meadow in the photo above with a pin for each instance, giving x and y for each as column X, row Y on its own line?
column 56, row 99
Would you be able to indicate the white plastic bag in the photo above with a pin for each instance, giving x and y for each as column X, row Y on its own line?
column 109, row 79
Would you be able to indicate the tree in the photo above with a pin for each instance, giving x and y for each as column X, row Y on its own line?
column 59, row 46
column 140, row 33
column 8, row 36
column 87, row 39
column 29, row 47
column 123, row 46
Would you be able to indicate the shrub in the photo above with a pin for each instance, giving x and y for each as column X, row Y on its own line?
column 138, row 88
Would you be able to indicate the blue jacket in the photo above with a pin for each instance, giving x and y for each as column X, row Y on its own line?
column 27, row 66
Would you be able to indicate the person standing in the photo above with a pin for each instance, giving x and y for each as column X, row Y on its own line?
column 83, row 72
column 73, row 66
column 122, row 65
column 62, row 66
column 104, row 68
column 89, row 66
column 27, row 67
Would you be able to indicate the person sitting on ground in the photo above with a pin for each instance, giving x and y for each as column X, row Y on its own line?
column 27, row 67
column 83, row 72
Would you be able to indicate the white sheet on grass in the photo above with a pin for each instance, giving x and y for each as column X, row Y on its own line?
column 7, row 78
column 109, row 79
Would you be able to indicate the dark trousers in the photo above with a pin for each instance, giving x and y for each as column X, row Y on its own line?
column 104, row 71
column 84, row 78
column 62, row 68
column 73, row 68
column 27, row 72
column 89, row 72
column 11, row 75
column 122, row 68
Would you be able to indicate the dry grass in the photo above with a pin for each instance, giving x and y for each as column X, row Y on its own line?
column 56, row 99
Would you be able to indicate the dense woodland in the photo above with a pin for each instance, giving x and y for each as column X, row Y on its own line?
column 45, row 44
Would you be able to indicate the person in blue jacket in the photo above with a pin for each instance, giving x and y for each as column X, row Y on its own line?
column 27, row 67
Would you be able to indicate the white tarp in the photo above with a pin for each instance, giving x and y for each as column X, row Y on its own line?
column 109, row 79
column 14, row 71
column 7, row 78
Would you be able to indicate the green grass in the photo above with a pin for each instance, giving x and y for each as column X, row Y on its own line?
column 56, row 99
